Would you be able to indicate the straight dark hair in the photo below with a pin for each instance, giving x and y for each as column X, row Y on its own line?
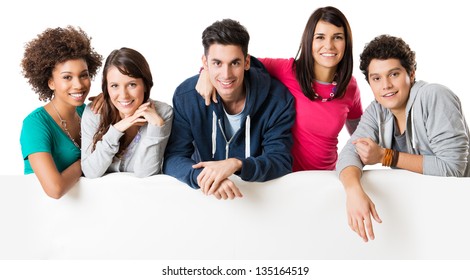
column 304, row 62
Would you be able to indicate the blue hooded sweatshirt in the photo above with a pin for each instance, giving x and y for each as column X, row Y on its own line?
column 263, row 142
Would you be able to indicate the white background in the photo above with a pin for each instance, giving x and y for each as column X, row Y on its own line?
column 168, row 33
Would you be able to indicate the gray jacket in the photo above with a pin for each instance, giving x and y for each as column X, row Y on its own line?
column 435, row 128
column 143, row 157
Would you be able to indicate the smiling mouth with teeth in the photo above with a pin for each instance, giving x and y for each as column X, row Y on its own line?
column 77, row 95
column 389, row 94
column 124, row 103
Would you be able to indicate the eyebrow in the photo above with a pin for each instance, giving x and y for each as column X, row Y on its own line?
column 391, row 70
column 337, row 33
column 234, row 60
column 70, row 72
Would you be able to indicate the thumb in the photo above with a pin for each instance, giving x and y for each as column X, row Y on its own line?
column 198, row 165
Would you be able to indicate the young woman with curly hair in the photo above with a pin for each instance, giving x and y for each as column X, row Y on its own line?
column 59, row 65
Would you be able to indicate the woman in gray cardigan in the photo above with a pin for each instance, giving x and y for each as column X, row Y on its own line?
column 131, row 132
column 411, row 125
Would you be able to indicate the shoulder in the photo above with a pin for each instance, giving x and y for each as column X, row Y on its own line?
column 187, row 88
column 352, row 82
column 87, row 112
column 374, row 110
column 163, row 109
column 281, row 64
column 279, row 92
column 352, row 86
column 434, row 93
column 37, row 123
column 39, row 115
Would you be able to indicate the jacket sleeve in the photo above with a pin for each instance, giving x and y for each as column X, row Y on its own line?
column 95, row 164
column 276, row 159
column 368, row 127
column 447, row 132
column 178, row 162
column 152, row 147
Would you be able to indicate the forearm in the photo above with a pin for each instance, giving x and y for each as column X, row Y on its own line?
column 181, row 168
column 151, row 152
column 71, row 175
column 57, row 186
column 350, row 177
column 265, row 167
column 95, row 163
column 410, row 162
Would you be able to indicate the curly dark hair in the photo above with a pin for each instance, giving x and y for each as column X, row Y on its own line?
column 388, row 47
column 53, row 46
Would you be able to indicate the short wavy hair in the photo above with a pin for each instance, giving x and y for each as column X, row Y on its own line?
column 53, row 46
column 226, row 32
column 388, row 47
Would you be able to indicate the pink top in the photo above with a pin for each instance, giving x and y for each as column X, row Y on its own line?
column 317, row 124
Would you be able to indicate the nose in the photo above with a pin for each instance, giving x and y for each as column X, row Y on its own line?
column 225, row 71
column 386, row 83
column 329, row 44
column 78, row 83
column 123, row 92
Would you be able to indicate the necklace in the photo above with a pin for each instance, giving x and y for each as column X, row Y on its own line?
column 332, row 94
column 64, row 125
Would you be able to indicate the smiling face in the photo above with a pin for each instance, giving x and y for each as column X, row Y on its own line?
column 328, row 45
column 226, row 66
column 125, row 92
column 390, row 83
column 70, row 82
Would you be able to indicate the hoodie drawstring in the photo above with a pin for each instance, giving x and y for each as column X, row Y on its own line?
column 379, row 118
column 413, row 140
column 247, row 136
column 214, row 136
column 214, row 133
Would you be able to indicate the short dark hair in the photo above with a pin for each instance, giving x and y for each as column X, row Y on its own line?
column 387, row 47
column 226, row 32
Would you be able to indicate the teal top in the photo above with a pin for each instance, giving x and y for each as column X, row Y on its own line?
column 40, row 133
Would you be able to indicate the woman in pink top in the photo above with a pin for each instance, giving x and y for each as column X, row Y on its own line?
column 320, row 79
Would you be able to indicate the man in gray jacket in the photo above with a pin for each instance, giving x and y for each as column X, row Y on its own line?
column 411, row 125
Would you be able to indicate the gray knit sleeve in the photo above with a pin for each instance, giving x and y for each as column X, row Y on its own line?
column 95, row 164
column 150, row 153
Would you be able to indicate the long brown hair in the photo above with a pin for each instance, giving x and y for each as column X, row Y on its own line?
column 133, row 64
column 304, row 62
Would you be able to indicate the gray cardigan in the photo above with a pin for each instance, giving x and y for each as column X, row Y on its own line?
column 435, row 128
column 143, row 157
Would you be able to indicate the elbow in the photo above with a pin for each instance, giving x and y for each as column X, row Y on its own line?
column 146, row 173
column 54, row 195
column 55, row 192
column 90, row 173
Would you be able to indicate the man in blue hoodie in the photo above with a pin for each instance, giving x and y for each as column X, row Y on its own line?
column 247, row 132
